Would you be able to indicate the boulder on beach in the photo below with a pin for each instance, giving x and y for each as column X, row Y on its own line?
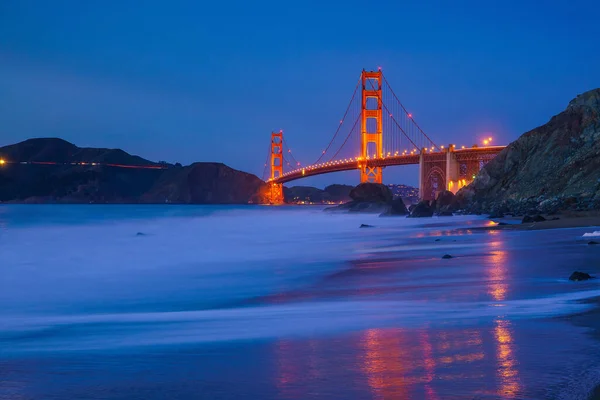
column 371, row 192
column 444, row 202
column 372, row 198
column 396, row 207
column 422, row 209
column 529, row 219
column 580, row 276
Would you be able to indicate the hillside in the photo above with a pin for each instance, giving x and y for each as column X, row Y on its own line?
column 309, row 194
column 199, row 183
column 555, row 166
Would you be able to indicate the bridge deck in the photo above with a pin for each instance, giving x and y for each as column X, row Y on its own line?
column 467, row 154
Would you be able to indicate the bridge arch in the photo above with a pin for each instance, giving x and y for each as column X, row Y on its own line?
column 435, row 182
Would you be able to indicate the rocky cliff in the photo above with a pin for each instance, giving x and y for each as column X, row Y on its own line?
column 58, row 180
column 555, row 166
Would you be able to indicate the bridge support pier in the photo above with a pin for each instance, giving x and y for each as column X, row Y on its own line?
column 421, row 172
column 275, row 191
column 452, row 170
column 371, row 125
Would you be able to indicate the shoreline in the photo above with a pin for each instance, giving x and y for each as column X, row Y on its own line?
column 571, row 219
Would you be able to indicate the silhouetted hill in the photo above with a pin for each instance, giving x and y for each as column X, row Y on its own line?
column 552, row 167
column 199, row 183
column 204, row 183
column 61, row 151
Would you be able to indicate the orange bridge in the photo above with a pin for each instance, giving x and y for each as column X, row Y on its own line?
column 378, row 128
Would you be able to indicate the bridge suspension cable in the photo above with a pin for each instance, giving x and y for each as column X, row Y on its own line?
column 350, row 134
column 267, row 161
column 409, row 115
column 391, row 115
column 337, row 131
column 289, row 153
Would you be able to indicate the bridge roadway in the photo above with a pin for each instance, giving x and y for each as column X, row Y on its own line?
column 462, row 155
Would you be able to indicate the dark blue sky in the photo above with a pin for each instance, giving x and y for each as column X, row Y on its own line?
column 208, row 80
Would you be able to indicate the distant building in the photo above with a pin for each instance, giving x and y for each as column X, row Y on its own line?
column 408, row 193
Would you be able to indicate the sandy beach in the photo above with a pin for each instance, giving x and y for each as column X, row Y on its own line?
column 566, row 219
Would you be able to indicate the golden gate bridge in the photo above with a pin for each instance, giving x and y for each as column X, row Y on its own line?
column 377, row 131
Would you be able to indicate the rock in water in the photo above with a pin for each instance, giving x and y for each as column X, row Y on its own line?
column 447, row 256
column 366, row 226
column 397, row 207
column 580, row 276
column 445, row 202
column 367, row 198
column 371, row 192
column 593, row 242
column 422, row 210
column 527, row 219
column 538, row 218
column 140, row 234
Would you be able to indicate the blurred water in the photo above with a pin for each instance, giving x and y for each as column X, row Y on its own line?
column 286, row 302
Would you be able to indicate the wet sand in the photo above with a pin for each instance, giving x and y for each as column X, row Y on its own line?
column 591, row 320
column 568, row 219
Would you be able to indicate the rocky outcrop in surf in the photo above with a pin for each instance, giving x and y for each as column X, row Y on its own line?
column 372, row 198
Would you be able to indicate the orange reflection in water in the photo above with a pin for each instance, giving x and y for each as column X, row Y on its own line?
column 393, row 366
column 508, row 375
column 429, row 364
column 498, row 286
column 407, row 364
column 383, row 364
column 507, row 372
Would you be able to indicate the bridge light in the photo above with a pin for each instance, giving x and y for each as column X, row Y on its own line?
column 462, row 147
column 485, row 142
column 409, row 115
column 490, row 139
column 442, row 147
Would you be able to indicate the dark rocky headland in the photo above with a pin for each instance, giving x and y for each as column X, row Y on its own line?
column 551, row 168
column 198, row 183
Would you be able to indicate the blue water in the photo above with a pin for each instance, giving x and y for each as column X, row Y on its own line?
column 152, row 302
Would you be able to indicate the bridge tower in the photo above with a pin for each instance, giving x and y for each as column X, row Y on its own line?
column 275, row 191
column 371, row 125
